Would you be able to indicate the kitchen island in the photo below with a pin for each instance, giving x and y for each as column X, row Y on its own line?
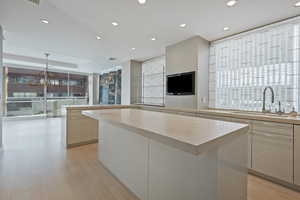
column 161, row 156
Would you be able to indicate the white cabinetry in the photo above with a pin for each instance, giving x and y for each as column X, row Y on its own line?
column 125, row 154
column 297, row 155
column 272, row 149
column 156, row 171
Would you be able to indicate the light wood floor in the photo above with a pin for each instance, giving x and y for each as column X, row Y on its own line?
column 34, row 165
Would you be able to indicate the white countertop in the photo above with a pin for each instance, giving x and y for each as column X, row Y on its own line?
column 94, row 107
column 238, row 114
column 191, row 133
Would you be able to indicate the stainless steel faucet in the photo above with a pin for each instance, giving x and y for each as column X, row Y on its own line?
column 264, row 98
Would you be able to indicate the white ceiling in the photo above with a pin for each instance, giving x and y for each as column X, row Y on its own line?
column 71, row 34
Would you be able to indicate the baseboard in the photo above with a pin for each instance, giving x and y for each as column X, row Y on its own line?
column 275, row 180
column 82, row 143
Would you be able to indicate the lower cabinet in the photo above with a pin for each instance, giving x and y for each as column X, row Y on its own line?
column 272, row 150
column 297, row 155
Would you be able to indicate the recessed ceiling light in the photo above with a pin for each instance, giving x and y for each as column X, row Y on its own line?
column 153, row 39
column 44, row 21
column 226, row 28
column 133, row 49
column 142, row 1
column 297, row 4
column 115, row 23
column 231, row 3
column 182, row 25
column 98, row 37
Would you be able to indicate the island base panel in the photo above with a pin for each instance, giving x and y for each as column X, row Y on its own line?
column 156, row 171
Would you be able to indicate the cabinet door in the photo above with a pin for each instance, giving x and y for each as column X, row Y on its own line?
column 238, row 121
column 297, row 154
column 272, row 150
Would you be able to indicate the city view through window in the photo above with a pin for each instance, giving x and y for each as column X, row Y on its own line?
column 27, row 93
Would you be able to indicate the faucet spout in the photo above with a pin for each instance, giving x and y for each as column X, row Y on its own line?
column 264, row 98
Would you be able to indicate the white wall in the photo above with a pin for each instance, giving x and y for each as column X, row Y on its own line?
column 126, row 87
column 203, row 74
column 131, row 82
column 185, row 56
column 1, row 83
column 94, row 88
column 136, row 82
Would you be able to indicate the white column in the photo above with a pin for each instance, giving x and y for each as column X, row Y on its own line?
column 94, row 88
column 126, row 89
column 1, row 83
column 131, row 83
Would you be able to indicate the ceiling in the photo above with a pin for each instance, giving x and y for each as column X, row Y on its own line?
column 73, row 26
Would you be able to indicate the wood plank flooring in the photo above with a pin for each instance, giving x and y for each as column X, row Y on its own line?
column 34, row 165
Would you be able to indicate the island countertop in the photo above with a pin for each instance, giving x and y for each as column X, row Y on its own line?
column 192, row 134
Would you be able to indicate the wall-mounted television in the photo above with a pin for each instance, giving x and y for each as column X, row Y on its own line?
column 181, row 84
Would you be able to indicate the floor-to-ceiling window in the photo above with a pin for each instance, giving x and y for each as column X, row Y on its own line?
column 242, row 66
column 25, row 91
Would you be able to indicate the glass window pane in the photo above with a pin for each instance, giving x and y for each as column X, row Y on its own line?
column 25, row 92
column 57, row 84
column 78, row 85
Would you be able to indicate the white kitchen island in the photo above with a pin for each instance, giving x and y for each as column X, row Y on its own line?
column 161, row 156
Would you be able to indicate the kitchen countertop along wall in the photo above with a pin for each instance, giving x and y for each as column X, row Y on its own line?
column 248, row 115
column 74, row 123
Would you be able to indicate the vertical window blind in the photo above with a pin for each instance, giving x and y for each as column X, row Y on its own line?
column 153, row 81
column 242, row 66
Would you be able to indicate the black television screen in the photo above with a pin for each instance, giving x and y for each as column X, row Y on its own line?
column 181, row 84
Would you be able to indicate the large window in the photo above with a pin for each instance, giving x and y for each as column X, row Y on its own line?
column 25, row 91
column 241, row 67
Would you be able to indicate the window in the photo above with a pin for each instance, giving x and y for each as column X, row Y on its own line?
column 56, row 86
column 241, row 67
column 153, row 81
column 25, row 91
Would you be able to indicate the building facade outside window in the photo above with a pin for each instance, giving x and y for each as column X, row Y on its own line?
column 25, row 91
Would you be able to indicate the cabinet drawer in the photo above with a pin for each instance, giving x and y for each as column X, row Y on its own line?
column 272, row 128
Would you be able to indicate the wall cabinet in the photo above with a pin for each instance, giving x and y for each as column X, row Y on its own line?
column 297, row 155
column 272, row 150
